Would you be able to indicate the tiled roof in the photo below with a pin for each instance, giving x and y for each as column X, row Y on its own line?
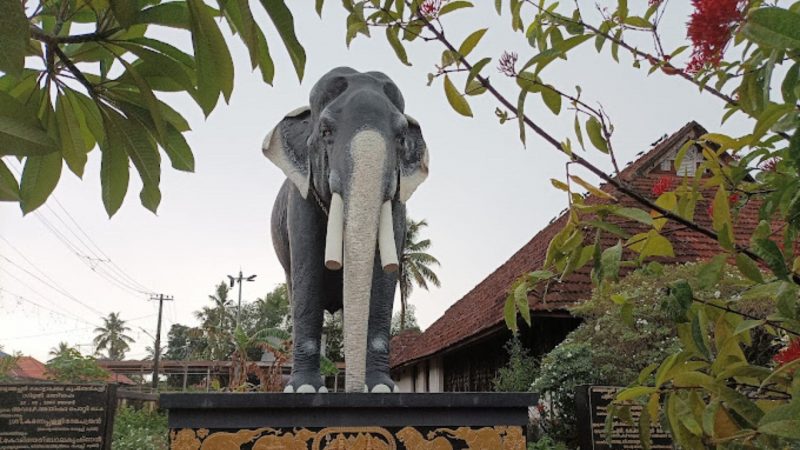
column 481, row 309
column 29, row 368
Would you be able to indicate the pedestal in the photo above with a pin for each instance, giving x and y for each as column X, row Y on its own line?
column 256, row 421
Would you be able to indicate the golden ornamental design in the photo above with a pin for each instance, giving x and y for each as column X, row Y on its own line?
column 351, row 438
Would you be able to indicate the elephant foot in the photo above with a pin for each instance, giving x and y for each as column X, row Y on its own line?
column 379, row 382
column 305, row 384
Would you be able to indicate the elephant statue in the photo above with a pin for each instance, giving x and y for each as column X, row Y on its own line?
column 352, row 159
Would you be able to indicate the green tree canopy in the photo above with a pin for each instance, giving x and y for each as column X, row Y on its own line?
column 112, row 337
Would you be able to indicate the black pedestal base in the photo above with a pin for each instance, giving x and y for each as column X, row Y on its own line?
column 442, row 421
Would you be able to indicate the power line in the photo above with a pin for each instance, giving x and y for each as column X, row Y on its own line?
column 85, row 259
column 39, row 305
column 48, row 284
column 85, row 252
column 99, row 252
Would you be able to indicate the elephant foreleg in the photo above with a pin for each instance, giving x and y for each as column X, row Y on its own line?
column 306, row 242
column 384, row 284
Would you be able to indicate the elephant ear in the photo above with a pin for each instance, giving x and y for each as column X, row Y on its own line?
column 286, row 147
column 413, row 162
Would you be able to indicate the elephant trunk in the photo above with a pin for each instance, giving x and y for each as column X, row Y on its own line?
column 363, row 204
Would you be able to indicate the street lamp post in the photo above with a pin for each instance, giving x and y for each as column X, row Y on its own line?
column 239, row 280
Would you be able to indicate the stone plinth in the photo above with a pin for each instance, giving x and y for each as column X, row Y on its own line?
column 257, row 421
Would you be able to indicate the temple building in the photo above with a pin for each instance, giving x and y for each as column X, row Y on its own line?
column 463, row 349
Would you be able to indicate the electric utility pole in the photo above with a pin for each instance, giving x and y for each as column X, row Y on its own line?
column 157, row 350
column 239, row 280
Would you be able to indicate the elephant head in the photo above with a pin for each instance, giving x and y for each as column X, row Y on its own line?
column 355, row 151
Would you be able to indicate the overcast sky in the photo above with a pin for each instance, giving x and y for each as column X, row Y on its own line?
column 486, row 196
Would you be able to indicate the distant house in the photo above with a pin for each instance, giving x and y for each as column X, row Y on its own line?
column 462, row 350
column 30, row 369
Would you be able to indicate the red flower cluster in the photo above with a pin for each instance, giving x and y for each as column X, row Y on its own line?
column 789, row 353
column 430, row 8
column 733, row 199
column 507, row 62
column 653, row 2
column 662, row 185
column 710, row 29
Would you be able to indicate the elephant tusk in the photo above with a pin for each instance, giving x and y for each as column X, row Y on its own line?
column 333, row 238
column 386, row 243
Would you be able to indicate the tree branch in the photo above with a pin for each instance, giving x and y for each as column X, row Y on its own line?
column 40, row 35
column 616, row 182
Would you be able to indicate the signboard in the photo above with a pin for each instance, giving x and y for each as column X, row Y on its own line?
column 56, row 416
column 592, row 408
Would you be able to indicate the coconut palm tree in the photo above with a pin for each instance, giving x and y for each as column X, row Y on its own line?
column 415, row 265
column 217, row 322
column 62, row 349
column 111, row 336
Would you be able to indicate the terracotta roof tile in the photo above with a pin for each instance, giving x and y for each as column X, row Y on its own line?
column 482, row 307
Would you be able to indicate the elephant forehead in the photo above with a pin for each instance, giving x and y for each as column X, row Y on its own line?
column 339, row 85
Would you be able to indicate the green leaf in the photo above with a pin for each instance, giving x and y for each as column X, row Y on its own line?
column 552, row 99
column 609, row 261
column 124, row 138
column 593, row 190
column 741, row 404
column 178, row 150
column 214, row 63
column 634, row 392
column 9, row 188
column 769, row 252
column 393, row 36
column 594, row 130
column 318, row 7
column 148, row 97
column 767, row 118
column 456, row 100
column 14, row 37
column 89, row 117
column 510, row 314
column 721, row 216
column 711, row 272
column 452, row 6
column 21, row 133
column 39, row 178
column 476, row 69
column 774, row 28
column 749, row 268
column 638, row 22
column 170, row 14
column 470, row 42
column 634, row 214
column 521, row 301
column 73, row 146
column 284, row 22
column 158, row 63
column 650, row 243
column 782, row 421
column 790, row 83
column 125, row 11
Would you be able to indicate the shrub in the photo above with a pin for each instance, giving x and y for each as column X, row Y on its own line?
column 521, row 370
column 626, row 328
column 140, row 429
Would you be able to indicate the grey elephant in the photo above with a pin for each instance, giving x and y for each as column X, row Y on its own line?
column 352, row 159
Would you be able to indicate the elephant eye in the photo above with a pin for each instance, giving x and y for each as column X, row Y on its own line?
column 401, row 140
column 325, row 132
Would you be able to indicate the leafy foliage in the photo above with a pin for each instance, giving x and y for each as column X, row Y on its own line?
column 139, row 429
column 520, row 372
column 704, row 391
column 407, row 323
column 7, row 364
column 71, row 366
column 415, row 265
column 111, row 337
column 64, row 92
